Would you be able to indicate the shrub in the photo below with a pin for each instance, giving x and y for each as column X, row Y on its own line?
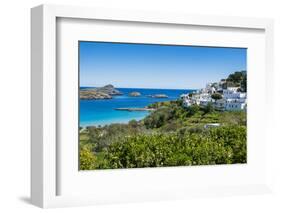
column 87, row 159
column 192, row 110
column 209, row 108
column 223, row 145
column 216, row 96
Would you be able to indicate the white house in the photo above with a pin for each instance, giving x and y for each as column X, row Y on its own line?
column 232, row 100
column 220, row 104
column 184, row 96
column 186, row 103
column 210, row 88
column 205, row 101
column 234, row 89
column 235, row 105
column 232, row 93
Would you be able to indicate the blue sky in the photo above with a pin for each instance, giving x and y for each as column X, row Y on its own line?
column 156, row 66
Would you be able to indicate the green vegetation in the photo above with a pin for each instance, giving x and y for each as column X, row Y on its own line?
column 225, row 145
column 169, row 136
column 216, row 96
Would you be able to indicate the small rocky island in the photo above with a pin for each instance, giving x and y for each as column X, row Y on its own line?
column 105, row 92
column 134, row 94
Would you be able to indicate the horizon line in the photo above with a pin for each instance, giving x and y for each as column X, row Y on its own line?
column 141, row 87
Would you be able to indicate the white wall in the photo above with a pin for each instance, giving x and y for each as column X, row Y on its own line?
column 15, row 98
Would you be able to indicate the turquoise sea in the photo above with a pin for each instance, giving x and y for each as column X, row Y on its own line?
column 102, row 112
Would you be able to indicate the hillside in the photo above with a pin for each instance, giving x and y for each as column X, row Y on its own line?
column 170, row 136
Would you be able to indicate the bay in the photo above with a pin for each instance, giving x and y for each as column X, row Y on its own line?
column 102, row 112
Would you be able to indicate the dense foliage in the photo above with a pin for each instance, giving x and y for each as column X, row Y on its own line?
column 225, row 145
column 170, row 136
column 216, row 96
column 237, row 79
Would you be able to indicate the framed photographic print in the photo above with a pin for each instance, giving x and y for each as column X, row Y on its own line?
column 130, row 106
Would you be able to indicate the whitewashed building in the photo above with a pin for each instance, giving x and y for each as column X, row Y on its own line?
column 186, row 103
column 210, row 88
column 220, row 104
column 206, row 101
column 184, row 96
column 235, row 104
column 232, row 98
column 232, row 93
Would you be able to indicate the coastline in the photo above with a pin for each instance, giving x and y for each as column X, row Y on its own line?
column 123, row 108
column 108, row 122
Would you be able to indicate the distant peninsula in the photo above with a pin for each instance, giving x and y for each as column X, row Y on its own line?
column 105, row 92
column 132, row 109
column 158, row 96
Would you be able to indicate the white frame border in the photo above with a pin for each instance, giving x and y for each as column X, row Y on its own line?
column 43, row 92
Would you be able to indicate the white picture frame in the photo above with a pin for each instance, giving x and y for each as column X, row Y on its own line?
column 45, row 152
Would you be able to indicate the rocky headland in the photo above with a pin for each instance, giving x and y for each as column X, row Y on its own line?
column 108, row 89
column 105, row 92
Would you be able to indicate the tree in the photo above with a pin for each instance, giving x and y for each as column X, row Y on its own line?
column 133, row 123
column 87, row 158
column 216, row 96
column 192, row 110
column 236, row 79
column 159, row 117
column 222, row 145
column 209, row 108
column 244, row 84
